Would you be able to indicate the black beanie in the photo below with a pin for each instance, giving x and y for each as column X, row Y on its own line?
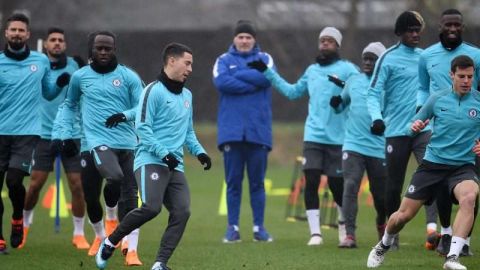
column 245, row 26
column 408, row 19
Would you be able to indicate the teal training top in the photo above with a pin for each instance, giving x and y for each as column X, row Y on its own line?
column 434, row 68
column 323, row 125
column 395, row 82
column 358, row 137
column 164, row 125
column 456, row 126
column 101, row 96
column 49, row 108
column 22, row 85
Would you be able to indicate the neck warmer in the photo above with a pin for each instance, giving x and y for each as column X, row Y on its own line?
column 60, row 63
column 104, row 69
column 172, row 86
column 17, row 56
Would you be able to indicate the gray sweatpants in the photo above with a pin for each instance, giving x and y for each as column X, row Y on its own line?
column 354, row 166
column 159, row 186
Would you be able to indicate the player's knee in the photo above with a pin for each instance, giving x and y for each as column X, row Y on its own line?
column 14, row 183
column 468, row 199
column 350, row 188
column 402, row 217
column 181, row 214
column 76, row 189
column 91, row 199
column 256, row 186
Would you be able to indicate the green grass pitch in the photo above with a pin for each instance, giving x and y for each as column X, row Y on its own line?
column 201, row 246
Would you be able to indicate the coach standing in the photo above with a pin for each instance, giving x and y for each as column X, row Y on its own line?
column 244, row 127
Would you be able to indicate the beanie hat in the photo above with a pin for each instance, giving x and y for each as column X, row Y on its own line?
column 245, row 26
column 332, row 32
column 376, row 48
column 408, row 19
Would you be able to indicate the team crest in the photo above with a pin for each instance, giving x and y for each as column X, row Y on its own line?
column 116, row 83
column 472, row 113
column 154, row 176
column 103, row 148
column 304, row 161
column 187, row 104
column 33, row 68
column 411, row 189
column 345, row 156
column 83, row 163
column 389, row 148
column 226, row 148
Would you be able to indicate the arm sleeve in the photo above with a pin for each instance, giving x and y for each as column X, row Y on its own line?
column 425, row 113
column 136, row 87
column 254, row 77
column 70, row 107
column 227, row 83
column 57, row 124
column 290, row 91
column 191, row 141
column 50, row 89
column 345, row 98
column 144, row 121
column 376, row 89
column 424, row 80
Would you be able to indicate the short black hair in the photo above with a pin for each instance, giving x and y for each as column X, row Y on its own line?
column 451, row 11
column 93, row 35
column 461, row 62
column 55, row 29
column 18, row 17
column 175, row 50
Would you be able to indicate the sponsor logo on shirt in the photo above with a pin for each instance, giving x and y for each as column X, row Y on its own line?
column 33, row 68
column 187, row 104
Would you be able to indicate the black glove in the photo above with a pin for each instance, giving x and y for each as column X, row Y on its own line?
column 56, row 147
column 70, row 148
column 418, row 109
column 335, row 101
column 205, row 161
column 171, row 161
column 115, row 119
column 63, row 79
column 336, row 81
column 258, row 65
column 378, row 127
column 79, row 60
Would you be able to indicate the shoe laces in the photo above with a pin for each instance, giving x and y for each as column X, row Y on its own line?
column 107, row 251
column 452, row 258
column 380, row 250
